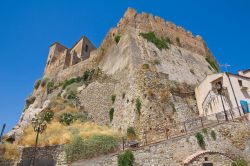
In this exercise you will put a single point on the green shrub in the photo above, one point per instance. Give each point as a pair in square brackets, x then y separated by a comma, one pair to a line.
[48, 116]
[50, 87]
[145, 66]
[81, 116]
[68, 82]
[212, 64]
[138, 105]
[111, 114]
[126, 159]
[117, 38]
[67, 118]
[213, 134]
[37, 84]
[72, 96]
[113, 97]
[88, 74]
[156, 62]
[159, 43]
[79, 148]
[131, 132]
[239, 162]
[200, 140]
[44, 81]
[30, 100]
[204, 130]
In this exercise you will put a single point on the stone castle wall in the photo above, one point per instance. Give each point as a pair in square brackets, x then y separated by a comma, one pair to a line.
[44, 156]
[147, 23]
[77, 69]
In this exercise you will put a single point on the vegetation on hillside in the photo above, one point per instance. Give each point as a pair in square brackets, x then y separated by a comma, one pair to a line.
[58, 133]
[213, 134]
[87, 76]
[80, 148]
[30, 100]
[111, 114]
[117, 38]
[12, 152]
[138, 105]
[131, 133]
[145, 66]
[126, 159]
[37, 84]
[178, 41]
[212, 64]
[239, 162]
[200, 140]
[113, 97]
[44, 81]
[160, 43]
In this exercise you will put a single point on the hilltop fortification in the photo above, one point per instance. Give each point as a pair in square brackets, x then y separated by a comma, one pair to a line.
[141, 79]
[132, 68]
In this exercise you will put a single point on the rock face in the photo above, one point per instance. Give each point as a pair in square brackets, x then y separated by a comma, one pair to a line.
[154, 87]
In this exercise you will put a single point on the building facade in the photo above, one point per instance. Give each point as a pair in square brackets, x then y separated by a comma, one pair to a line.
[223, 93]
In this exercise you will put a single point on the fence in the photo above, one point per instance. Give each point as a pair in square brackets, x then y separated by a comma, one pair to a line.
[186, 128]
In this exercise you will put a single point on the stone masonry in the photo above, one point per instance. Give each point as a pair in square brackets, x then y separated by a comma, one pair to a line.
[60, 57]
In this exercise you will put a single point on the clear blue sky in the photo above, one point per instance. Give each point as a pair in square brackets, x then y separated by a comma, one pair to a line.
[27, 28]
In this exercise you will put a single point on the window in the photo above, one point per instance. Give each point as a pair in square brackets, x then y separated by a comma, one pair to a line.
[240, 82]
[86, 48]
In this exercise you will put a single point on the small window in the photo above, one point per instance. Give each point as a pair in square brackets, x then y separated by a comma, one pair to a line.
[240, 82]
[86, 48]
[206, 158]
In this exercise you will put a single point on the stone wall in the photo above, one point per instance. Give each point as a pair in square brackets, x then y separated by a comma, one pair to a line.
[4, 162]
[77, 69]
[175, 151]
[44, 155]
[216, 159]
[147, 22]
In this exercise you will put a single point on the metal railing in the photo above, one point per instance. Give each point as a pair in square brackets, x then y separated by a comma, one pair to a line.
[185, 128]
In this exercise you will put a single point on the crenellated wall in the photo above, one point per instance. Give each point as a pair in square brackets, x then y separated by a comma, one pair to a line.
[147, 22]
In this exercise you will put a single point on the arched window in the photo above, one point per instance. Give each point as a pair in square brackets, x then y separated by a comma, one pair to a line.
[86, 48]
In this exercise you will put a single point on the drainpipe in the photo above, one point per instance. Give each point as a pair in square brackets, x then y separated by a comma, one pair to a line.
[233, 92]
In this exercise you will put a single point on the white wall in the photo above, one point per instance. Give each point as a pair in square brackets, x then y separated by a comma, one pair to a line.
[215, 105]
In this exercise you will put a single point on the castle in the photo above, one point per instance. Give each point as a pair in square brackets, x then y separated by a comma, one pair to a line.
[61, 57]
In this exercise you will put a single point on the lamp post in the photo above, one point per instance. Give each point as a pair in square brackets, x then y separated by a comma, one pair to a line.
[219, 89]
[39, 126]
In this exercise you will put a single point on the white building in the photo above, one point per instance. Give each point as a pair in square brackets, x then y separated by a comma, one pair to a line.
[235, 88]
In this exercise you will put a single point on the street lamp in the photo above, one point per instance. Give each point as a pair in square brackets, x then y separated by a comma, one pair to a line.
[219, 89]
[39, 126]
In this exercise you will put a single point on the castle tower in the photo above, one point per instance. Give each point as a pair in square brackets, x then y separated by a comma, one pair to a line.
[81, 50]
[60, 57]
[56, 59]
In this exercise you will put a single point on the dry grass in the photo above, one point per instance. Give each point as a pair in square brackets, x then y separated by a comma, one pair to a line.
[164, 96]
[57, 133]
[11, 151]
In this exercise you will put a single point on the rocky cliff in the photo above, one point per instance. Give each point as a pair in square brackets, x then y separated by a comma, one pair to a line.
[145, 69]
